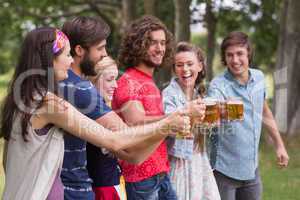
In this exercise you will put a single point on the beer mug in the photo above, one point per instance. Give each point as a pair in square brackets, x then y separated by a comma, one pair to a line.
[212, 112]
[234, 109]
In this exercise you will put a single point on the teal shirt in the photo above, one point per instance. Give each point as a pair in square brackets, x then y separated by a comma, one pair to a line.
[234, 147]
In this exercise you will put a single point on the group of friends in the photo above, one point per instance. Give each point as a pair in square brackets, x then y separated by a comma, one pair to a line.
[74, 130]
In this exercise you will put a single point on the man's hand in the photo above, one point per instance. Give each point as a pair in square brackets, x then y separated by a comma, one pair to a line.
[282, 157]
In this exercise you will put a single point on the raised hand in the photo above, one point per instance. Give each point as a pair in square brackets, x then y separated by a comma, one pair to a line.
[179, 123]
[196, 109]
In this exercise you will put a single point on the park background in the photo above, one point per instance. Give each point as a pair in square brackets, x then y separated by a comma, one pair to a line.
[273, 26]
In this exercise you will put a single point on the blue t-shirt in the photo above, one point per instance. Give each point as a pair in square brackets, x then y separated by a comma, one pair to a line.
[102, 166]
[84, 96]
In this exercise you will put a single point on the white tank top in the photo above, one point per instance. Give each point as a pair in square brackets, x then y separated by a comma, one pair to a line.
[32, 166]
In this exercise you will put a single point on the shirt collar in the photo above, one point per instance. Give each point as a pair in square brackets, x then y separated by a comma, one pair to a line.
[177, 87]
[230, 77]
[142, 73]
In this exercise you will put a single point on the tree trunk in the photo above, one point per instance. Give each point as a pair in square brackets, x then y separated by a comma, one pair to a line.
[182, 20]
[149, 7]
[211, 24]
[287, 77]
[128, 12]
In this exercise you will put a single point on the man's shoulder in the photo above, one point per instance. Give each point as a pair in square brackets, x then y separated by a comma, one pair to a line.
[256, 73]
[75, 82]
[129, 73]
[219, 79]
[72, 77]
[130, 80]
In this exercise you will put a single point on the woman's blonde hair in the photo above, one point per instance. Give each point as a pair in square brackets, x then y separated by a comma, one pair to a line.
[100, 66]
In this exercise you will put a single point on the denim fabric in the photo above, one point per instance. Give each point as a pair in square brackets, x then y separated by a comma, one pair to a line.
[174, 99]
[157, 187]
[234, 149]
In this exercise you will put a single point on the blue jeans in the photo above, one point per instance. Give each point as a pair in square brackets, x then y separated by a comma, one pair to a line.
[157, 187]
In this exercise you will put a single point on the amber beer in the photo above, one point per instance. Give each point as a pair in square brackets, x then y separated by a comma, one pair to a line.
[212, 112]
[234, 110]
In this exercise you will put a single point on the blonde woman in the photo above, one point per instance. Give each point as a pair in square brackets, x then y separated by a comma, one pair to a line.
[102, 165]
[106, 79]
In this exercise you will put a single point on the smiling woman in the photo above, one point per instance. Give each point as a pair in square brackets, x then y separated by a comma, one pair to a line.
[106, 79]
[191, 173]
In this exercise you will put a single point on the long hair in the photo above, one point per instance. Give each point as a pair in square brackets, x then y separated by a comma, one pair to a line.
[188, 47]
[30, 81]
[136, 41]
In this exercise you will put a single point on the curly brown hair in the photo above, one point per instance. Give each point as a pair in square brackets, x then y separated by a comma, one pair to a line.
[136, 41]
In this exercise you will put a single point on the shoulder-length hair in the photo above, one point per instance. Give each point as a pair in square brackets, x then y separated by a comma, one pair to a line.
[136, 41]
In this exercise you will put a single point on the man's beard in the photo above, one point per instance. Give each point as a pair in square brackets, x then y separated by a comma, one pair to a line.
[87, 66]
[148, 62]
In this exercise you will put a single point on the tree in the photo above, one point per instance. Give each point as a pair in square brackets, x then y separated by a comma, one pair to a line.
[259, 19]
[129, 12]
[287, 77]
[211, 24]
[182, 20]
[149, 7]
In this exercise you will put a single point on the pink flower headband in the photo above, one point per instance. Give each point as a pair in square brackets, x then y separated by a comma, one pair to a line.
[60, 41]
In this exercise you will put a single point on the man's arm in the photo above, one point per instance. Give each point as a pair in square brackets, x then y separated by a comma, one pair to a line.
[139, 116]
[270, 124]
[193, 108]
[137, 154]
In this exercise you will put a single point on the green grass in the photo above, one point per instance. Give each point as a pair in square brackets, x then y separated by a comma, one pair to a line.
[280, 184]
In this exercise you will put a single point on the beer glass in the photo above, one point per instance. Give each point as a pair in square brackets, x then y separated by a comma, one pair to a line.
[212, 112]
[234, 109]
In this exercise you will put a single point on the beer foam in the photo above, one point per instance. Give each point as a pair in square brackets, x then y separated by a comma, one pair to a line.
[210, 103]
[232, 101]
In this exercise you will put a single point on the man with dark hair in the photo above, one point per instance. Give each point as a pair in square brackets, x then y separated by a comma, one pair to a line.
[88, 41]
[146, 45]
[234, 153]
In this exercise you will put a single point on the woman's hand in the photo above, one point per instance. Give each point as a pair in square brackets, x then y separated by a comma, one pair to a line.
[196, 110]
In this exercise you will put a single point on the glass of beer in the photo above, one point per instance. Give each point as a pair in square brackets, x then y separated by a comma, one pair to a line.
[212, 111]
[234, 109]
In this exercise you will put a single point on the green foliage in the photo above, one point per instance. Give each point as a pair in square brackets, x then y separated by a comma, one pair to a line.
[257, 18]
[165, 11]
